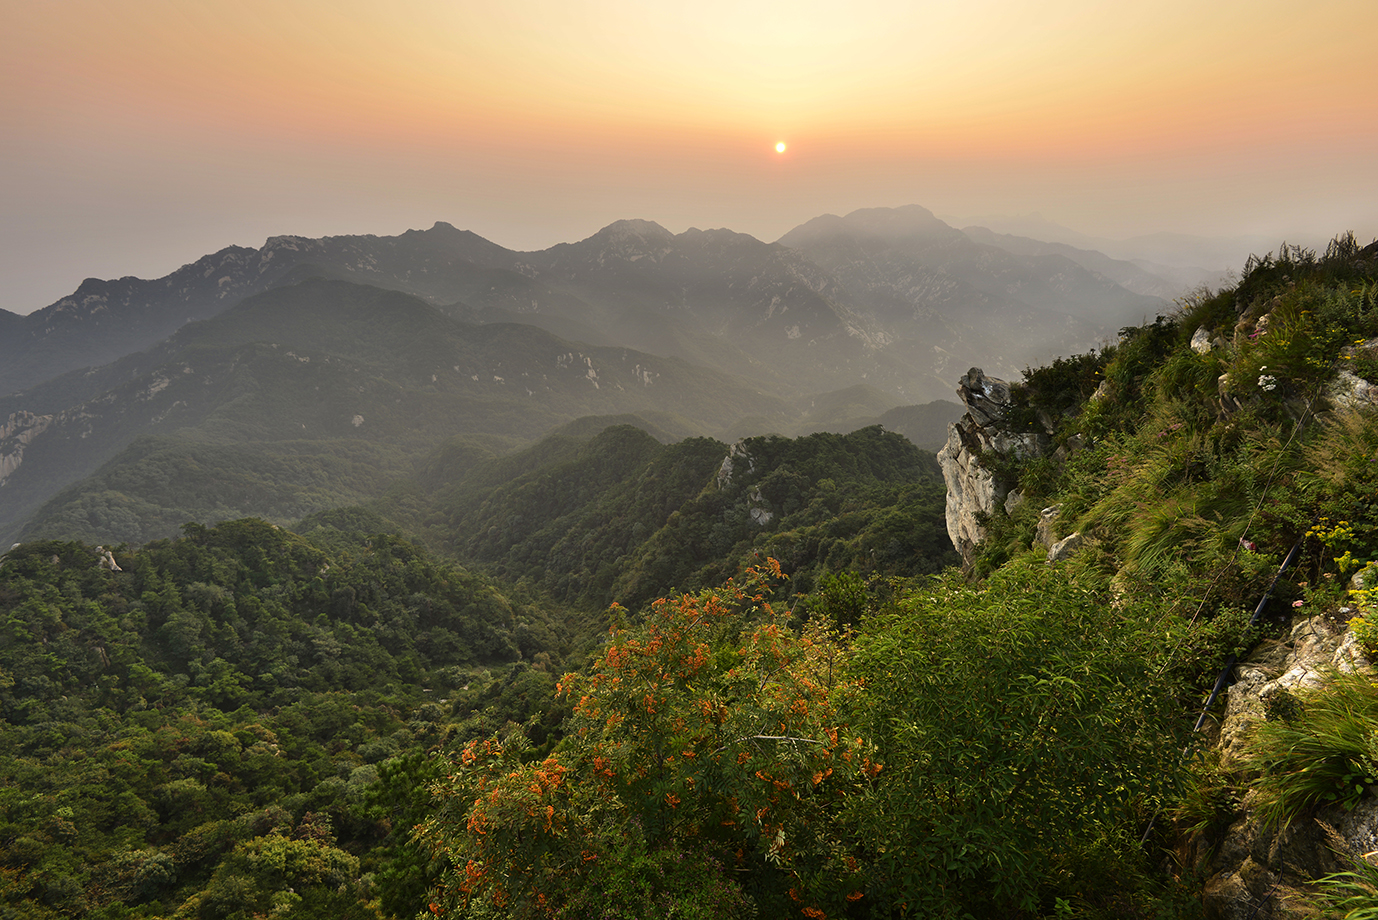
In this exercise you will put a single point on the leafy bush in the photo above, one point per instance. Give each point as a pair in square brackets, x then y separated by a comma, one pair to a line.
[1023, 740]
[1054, 391]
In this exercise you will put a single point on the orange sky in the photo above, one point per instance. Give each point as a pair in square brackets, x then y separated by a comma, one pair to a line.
[140, 134]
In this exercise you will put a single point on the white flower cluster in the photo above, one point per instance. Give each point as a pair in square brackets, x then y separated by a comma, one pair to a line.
[1267, 382]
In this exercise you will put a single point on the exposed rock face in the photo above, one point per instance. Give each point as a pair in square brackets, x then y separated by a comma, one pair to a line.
[15, 435]
[107, 559]
[1065, 548]
[1046, 533]
[1258, 871]
[1201, 341]
[986, 398]
[1350, 391]
[760, 514]
[737, 455]
[973, 492]
[1316, 645]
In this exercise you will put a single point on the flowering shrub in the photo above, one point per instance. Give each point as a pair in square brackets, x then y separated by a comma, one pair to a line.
[707, 750]
[1363, 601]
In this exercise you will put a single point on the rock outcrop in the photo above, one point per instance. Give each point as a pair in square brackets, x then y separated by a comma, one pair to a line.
[974, 492]
[16, 434]
[1259, 871]
[737, 462]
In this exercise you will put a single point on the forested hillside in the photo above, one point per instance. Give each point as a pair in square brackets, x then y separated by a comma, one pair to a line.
[678, 678]
[309, 397]
[621, 517]
[1020, 744]
[175, 729]
[243, 720]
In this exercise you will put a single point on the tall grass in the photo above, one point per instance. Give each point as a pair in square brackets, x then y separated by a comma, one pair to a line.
[1324, 752]
[1350, 895]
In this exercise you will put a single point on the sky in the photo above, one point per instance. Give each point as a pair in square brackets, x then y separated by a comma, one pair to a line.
[138, 135]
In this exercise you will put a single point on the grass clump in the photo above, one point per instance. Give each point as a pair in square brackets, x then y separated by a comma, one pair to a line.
[1352, 895]
[1322, 751]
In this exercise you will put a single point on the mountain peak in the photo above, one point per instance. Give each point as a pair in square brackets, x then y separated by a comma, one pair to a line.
[645, 229]
[884, 223]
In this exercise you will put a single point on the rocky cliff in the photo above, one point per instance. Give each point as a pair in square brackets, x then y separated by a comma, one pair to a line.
[974, 491]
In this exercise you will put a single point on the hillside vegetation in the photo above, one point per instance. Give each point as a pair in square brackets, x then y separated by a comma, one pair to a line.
[621, 517]
[1004, 748]
[794, 705]
[226, 726]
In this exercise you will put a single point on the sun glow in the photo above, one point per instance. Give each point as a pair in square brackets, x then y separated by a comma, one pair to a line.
[780, 147]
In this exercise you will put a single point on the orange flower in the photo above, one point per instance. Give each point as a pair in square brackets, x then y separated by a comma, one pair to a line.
[854, 896]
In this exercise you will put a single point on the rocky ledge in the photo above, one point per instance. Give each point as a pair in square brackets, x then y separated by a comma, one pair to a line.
[974, 491]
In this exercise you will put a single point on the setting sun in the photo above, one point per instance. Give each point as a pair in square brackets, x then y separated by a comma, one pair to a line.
[780, 147]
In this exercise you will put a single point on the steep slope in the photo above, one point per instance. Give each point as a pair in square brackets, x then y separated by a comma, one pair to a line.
[1131, 276]
[1213, 463]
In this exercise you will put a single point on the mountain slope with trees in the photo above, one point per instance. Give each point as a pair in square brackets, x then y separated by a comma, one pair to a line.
[621, 517]
[226, 724]
[789, 712]
[1009, 743]
[336, 388]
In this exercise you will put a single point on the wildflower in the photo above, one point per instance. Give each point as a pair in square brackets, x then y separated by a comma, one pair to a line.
[1267, 382]
[1298, 603]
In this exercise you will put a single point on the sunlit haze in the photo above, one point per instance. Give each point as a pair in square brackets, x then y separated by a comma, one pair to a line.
[141, 134]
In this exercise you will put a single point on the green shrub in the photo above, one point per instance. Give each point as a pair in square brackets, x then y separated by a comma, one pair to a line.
[1054, 391]
[1202, 309]
[1022, 739]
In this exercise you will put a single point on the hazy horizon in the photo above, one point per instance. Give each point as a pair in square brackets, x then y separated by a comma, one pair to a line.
[144, 134]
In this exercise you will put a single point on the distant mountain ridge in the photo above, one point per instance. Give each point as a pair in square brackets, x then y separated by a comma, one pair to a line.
[937, 289]
[306, 374]
[818, 310]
